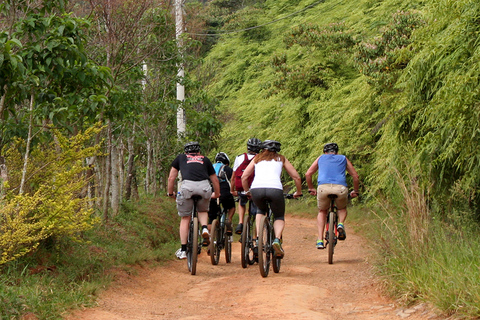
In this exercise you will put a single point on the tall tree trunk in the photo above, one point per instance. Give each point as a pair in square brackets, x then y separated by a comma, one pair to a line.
[27, 148]
[107, 175]
[2, 103]
[130, 166]
[115, 181]
[3, 175]
[148, 176]
[90, 175]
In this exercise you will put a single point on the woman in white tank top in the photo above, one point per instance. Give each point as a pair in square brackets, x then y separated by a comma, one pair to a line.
[267, 187]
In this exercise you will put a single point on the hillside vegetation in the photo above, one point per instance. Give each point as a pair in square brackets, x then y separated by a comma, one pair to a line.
[395, 84]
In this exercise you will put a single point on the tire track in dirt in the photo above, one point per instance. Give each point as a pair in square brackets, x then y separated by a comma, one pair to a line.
[307, 287]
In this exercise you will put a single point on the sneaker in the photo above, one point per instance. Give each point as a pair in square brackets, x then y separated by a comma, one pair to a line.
[239, 228]
[277, 247]
[255, 251]
[228, 224]
[181, 254]
[341, 232]
[320, 244]
[206, 237]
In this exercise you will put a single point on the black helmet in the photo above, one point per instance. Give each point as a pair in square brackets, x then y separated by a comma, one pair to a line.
[254, 145]
[271, 145]
[223, 158]
[331, 147]
[191, 147]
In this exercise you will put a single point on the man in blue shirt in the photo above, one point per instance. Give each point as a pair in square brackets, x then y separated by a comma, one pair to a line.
[331, 168]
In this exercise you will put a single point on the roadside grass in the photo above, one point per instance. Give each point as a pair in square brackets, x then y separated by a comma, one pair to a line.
[424, 259]
[64, 275]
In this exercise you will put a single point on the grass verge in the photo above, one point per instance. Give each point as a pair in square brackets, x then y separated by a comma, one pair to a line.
[64, 275]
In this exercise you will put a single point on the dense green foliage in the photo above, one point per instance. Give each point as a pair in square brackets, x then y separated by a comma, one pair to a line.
[390, 81]
[395, 84]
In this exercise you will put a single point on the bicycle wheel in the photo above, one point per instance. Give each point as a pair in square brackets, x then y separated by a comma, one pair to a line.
[246, 242]
[214, 243]
[192, 246]
[331, 236]
[264, 246]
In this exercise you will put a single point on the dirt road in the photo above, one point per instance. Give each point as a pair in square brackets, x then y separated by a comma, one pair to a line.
[307, 287]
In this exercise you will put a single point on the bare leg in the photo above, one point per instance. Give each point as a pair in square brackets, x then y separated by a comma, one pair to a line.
[278, 226]
[203, 218]
[241, 213]
[321, 220]
[184, 225]
[342, 215]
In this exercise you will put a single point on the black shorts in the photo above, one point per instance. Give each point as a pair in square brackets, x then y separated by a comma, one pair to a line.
[227, 202]
[274, 197]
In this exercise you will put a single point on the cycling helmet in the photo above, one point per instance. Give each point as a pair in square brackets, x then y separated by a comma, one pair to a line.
[271, 145]
[254, 145]
[191, 147]
[330, 147]
[223, 158]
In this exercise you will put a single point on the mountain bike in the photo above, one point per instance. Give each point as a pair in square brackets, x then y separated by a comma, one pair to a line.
[249, 256]
[219, 238]
[194, 241]
[331, 233]
[266, 236]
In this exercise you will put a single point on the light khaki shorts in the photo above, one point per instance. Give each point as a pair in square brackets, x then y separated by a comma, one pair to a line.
[323, 201]
[187, 190]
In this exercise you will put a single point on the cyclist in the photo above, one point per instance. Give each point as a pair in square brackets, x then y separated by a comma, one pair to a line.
[236, 187]
[331, 168]
[197, 174]
[224, 174]
[267, 186]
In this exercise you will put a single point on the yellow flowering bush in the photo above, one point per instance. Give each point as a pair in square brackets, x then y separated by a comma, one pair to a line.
[54, 202]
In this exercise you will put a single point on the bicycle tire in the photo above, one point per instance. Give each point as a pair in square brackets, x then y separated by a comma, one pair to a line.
[276, 263]
[331, 236]
[252, 245]
[214, 244]
[192, 247]
[228, 247]
[246, 242]
[264, 246]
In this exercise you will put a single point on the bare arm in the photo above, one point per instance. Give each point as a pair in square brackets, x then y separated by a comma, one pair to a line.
[232, 185]
[295, 176]
[216, 185]
[246, 174]
[171, 180]
[308, 176]
[356, 182]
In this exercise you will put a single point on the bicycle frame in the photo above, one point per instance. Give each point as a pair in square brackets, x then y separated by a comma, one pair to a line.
[219, 238]
[266, 236]
[248, 234]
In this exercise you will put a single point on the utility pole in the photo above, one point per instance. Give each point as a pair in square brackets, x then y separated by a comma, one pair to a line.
[180, 75]
[181, 72]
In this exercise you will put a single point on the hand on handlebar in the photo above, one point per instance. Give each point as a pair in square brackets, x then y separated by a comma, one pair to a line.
[297, 195]
[354, 194]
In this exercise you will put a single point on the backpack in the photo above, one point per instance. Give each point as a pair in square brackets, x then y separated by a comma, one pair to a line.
[220, 171]
[239, 172]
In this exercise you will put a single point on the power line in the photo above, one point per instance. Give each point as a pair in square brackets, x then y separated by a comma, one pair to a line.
[220, 32]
